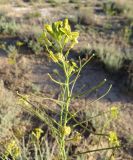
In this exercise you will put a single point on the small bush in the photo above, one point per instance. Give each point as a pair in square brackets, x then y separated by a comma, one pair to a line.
[111, 8]
[33, 44]
[33, 15]
[8, 27]
[110, 55]
[9, 112]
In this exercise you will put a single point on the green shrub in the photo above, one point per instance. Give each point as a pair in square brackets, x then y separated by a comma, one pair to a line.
[35, 46]
[11, 51]
[32, 43]
[8, 112]
[111, 8]
[8, 27]
[110, 55]
[33, 15]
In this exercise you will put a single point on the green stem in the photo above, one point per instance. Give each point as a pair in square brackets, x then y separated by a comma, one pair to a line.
[63, 97]
[67, 100]
[63, 155]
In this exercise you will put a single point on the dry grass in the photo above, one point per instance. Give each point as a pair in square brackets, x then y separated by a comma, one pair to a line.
[9, 112]
[127, 5]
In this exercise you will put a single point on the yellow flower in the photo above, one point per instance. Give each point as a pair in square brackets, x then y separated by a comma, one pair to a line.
[66, 25]
[112, 158]
[11, 61]
[66, 130]
[19, 43]
[60, 57]
[113, 139]
[77, 138]
[37, 133]
[114, 112]
[48, 28]
[13, 149]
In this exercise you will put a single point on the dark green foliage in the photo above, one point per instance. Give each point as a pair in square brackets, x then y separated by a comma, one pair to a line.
[111, 8]
[128, 33]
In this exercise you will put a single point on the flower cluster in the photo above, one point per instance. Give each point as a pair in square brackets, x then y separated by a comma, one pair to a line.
[114, 112]
[37, 133]
[113, 139]
[56, 36]
[13, 149]
[60, 32]
[66, 130]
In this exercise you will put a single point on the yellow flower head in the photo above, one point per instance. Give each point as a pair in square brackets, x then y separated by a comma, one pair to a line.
[13, 149]
[37, 133]
[48, 28]
[19, 43]
[66, 130]
[66, 25]
[114, 112]
[113, 139]
[57, 36]
[77, 138]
